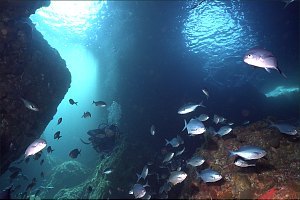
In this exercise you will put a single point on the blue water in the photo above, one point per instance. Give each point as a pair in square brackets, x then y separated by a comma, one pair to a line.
[152, 57]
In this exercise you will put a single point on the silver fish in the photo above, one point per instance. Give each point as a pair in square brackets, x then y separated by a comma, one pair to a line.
[209, 175]
[29, 105]
[262, 58]
[204, 90]
[284, 128]
[152, 130]
[139, 190]
[143, 174]
[168, 157]
[175, 142]
[35, 147]
[224, 130]
[240, 162]
[190, 107]
[249, 152]
[203, 117]
[194, 127]
[177, 177]
[196, 161]
[178, 153]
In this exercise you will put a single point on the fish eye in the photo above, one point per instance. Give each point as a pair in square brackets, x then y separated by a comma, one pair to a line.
[249, 55]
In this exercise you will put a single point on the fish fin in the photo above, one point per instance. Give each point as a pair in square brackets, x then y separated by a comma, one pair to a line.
[185, 124]
[201, 104]
[281, 72]
[231, 153]
[146, 185]
[76, 103]
[139, 177]
[167, 142]
[268, 70]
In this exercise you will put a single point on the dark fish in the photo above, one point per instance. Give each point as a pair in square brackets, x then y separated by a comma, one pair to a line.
[86, 114]
[74, 153]
[14, 169]
[42, 161]
[6, 193]
[27, 160]
[14, 175]
[89, 189]
[72, 102]
[57, 135]
[49, 149]
[37, 155]
[42, 175]
[59, 120]
[99, 103]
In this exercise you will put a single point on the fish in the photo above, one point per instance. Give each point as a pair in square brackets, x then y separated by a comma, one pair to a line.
[175, 142]
[168, 157]
[194, 127]
[189, 107]
[59, 120]
[178, 153]
[86, 114]
[224, 130]
[6, 193]
[29, 105]
[14, 175]
[30, 186]
[42, 162]
[287, 2]
[246, 122]
[42, 175]
[203, 117]
[72, 102]
[57, 135]
[143, 174]
[49, 149]
[249, 152]
[37, 155]
[204, 90]
[139, 190]
[74, 153]
[208, 175]
[262, 58]
[196, 161]
[107, 171]
[176, 177]
[152, 130]
[35, 147]
[14, 169]
[284, 128]
[99, 103]
[240, 162]
[218, 119]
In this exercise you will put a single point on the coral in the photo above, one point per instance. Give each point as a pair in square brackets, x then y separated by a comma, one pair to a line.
[279, 170]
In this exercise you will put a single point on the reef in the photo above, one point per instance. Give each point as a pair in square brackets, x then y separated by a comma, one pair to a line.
[66, 175]
[273, 177]
[29, 69]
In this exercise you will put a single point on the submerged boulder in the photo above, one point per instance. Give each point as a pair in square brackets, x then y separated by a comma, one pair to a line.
[29, 69]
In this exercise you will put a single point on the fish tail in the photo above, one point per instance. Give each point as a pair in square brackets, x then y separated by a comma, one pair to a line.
[201, 104]
[94, 102]
[139, 176]
[185, 124]
[231, 153]
[278, 69]
[167, 142]
[76, 103]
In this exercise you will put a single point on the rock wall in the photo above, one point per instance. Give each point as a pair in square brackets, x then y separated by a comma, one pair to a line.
[29, 69]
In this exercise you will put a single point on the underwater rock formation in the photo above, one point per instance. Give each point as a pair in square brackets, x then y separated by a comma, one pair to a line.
[273, 177]
[29, 69]
[64, 176]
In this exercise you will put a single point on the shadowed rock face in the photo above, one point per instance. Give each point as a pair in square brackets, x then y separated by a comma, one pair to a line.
[29, 69]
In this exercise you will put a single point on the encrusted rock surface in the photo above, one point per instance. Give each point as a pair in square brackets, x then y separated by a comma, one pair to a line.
[274, 177]
[29, 69]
